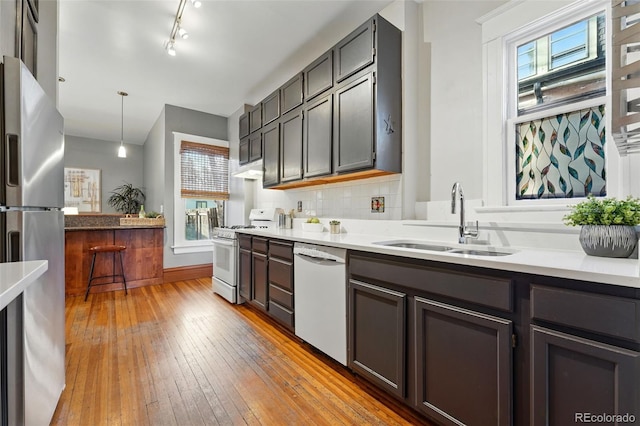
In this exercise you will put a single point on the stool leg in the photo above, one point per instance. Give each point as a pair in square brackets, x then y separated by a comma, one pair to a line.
[93, 262]
[124, 280]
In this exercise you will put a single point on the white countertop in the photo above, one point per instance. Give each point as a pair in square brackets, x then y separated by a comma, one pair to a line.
[554, 263]
[15, 277]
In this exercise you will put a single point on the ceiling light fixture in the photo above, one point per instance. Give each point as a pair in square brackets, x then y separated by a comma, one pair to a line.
[122, 152]
[177, 28]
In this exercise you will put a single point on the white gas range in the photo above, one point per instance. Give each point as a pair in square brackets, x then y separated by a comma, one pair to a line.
[225, 252]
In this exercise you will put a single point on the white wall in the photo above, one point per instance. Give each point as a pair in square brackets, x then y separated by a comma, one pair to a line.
[99, 154]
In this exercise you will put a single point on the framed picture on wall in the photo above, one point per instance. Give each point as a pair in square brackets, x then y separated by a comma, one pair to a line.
[82, 189]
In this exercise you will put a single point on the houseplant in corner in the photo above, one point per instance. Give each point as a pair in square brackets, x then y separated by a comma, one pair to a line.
[608, 225]
[126, 199]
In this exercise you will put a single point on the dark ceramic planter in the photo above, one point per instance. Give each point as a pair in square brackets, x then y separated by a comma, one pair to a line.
[608, 240]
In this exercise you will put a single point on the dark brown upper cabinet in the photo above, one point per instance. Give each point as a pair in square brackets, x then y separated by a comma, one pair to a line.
[255, 146]
[271, 155]
[29, 38]
[318, 77]
[291, 94]
[356, 51]
[291, 146]
[271, 108]
[243, 125]
[255, 118]
[318, 137]
[244, 151]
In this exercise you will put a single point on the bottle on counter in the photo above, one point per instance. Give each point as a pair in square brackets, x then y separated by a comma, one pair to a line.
[142, 213]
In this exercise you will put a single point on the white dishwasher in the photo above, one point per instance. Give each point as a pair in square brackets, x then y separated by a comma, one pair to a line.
[320, 295]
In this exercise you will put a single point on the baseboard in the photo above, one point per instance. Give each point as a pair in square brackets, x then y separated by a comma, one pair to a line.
[191, 272]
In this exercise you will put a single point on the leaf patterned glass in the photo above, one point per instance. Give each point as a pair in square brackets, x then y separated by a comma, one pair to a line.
[561, 156]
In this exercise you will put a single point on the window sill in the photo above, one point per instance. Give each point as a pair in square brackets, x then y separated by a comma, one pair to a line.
[199, 247]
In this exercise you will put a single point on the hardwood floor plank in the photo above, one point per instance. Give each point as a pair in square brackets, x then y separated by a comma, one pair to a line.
[177, 354]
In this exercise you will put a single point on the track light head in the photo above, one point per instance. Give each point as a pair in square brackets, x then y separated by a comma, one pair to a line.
[183, 33]
[171, 50]
[196, 3]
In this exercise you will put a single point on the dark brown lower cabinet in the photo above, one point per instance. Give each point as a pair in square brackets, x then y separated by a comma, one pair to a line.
[245, 276]
[377, 335]
[573, 378]
[260, 284]
[463, 365]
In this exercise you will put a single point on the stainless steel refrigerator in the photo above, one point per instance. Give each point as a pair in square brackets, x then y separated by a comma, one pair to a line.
[32, 225]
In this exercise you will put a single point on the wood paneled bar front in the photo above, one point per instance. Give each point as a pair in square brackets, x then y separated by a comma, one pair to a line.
[143, 258]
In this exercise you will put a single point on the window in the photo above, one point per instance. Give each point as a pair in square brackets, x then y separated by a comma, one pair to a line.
[557, 127]
[201, 183]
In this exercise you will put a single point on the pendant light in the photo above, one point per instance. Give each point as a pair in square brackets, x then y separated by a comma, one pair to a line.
[122, 152]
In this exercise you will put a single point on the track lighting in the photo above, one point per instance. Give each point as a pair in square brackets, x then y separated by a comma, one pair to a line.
[196, 3]
[171, 49]
[183, 33]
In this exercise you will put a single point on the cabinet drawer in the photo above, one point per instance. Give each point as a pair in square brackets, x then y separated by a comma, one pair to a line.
[280, 296]
[494, 292]
[259, 245]
[281, 250]
[244, 241]
[282, 314]
[281, 273]
[606, 315]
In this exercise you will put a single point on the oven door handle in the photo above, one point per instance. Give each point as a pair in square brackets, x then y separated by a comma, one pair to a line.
[223, 242]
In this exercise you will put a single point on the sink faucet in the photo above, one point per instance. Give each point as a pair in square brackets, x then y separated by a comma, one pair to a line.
[463, 232]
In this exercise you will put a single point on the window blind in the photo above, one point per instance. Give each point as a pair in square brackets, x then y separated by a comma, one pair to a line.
[204, 171]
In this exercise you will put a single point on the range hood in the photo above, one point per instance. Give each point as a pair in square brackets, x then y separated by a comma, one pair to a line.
[249, 171]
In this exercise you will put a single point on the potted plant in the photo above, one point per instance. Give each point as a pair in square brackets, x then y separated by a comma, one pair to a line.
[126, 199]
[608, 225]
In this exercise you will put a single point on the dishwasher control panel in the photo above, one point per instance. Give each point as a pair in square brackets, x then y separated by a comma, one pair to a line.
[320, 252]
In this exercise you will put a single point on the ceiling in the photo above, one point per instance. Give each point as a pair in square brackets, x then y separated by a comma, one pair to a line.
[237, 49]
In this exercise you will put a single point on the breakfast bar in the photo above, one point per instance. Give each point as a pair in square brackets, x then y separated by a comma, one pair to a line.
[142, 259]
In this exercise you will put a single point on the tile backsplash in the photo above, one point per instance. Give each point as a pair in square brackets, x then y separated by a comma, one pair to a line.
[348, 200]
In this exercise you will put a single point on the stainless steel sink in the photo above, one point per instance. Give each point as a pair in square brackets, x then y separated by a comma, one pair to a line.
[476, 252]
[418, 246]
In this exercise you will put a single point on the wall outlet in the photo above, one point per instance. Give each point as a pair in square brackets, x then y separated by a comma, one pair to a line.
[377, 204]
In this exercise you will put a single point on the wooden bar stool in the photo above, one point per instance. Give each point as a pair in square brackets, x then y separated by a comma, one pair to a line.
[106, 249]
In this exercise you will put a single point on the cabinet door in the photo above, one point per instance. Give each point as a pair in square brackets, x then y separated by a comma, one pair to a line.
[572, 376]
[255, 146]
[355, 51]
[244, 276]
[318, 137]
[271, 158]
[244, 151]
[291, 94]
[355, 125]
[259, 289]
[463, 365]
[318, 76]
[255, 118]
[291, 146]
[271, 108]
[377, 335]
[29, 39]
[243, 125]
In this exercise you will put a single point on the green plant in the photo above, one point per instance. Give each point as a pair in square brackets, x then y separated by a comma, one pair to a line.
[126, 199]
[334, 222]
[605, 211]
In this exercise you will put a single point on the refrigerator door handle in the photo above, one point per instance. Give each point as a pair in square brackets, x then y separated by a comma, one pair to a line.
[12, 163]
[14, 246]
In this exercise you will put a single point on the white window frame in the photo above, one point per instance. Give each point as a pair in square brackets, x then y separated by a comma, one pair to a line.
[503, 30]
[180, 244]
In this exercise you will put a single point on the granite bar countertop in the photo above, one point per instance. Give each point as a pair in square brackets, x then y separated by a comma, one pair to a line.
[100, 222]
[108, 228]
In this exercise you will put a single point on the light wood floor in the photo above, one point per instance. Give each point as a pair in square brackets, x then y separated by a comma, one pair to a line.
[177, 354]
